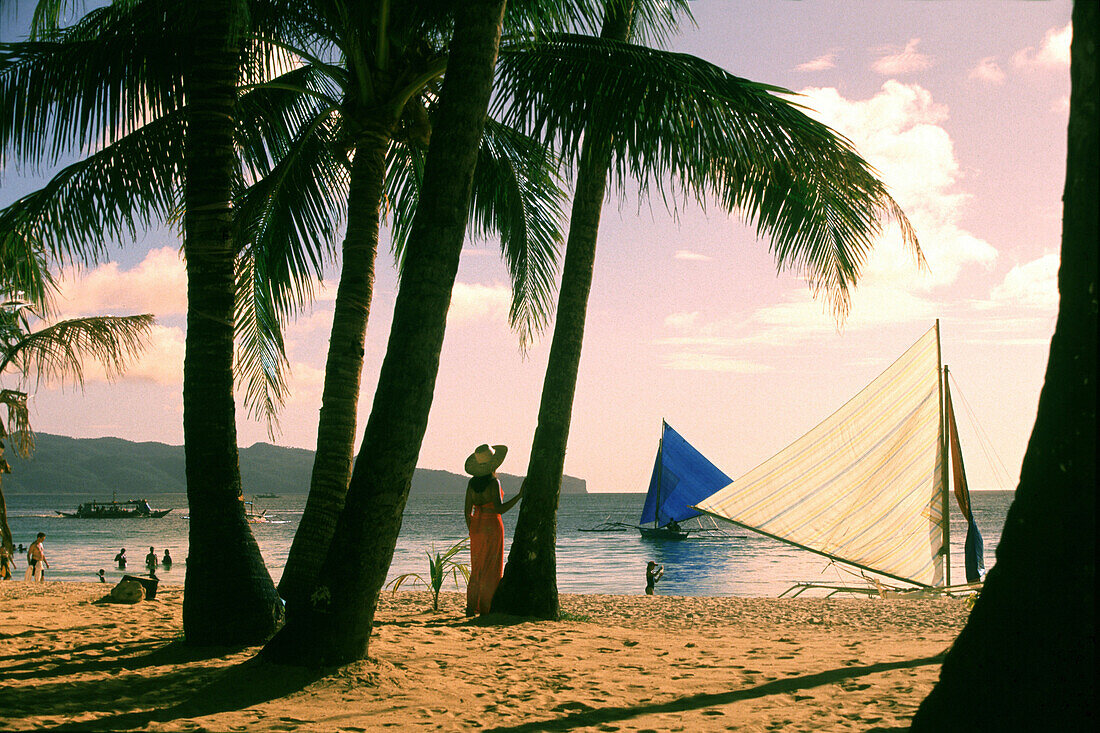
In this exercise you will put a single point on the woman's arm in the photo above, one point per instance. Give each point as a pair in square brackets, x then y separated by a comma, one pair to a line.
[512, 502]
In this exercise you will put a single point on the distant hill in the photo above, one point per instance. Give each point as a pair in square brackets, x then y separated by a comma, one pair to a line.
[98, 466]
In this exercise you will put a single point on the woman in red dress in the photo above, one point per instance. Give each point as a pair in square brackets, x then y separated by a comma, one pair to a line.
[484, 505]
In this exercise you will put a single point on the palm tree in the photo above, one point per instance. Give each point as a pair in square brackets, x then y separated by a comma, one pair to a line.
[1026, 659]
[116, 82]
[334, 627]
[376, 108]
[633, 110]
[51, 353]
[228, 593]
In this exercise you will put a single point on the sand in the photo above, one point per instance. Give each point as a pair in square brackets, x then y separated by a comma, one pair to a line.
[629, 663]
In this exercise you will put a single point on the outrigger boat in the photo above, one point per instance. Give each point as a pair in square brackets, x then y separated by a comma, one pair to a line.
[868, 487]
[681, 477]
[253, 516]
[131, 509]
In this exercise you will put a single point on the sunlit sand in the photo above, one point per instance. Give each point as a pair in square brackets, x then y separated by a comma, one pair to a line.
[620, 663]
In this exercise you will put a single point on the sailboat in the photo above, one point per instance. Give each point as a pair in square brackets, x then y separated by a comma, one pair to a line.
[681, 477]
[868, 485]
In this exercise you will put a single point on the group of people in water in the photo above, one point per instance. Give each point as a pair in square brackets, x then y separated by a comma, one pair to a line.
[37, 564]
[483, 509]
[151, 561]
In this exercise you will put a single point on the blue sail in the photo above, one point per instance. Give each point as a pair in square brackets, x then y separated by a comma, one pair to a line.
[682, 477]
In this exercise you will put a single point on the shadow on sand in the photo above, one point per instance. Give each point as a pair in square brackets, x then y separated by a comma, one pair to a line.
[187, 692]
[594, 717]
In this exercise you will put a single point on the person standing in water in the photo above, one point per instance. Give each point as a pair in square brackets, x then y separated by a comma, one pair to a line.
[167, 561]
[653, 573]
[36, 559]
[120, 558]
[151, 561]
[484, 505]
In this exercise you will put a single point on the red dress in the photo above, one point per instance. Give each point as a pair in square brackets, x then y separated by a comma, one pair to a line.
[486, 556]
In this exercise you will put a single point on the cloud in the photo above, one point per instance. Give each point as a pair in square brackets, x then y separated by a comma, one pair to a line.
[1032, 285]
[901, 62]
[471, 302]
[899, 131]
[160, 363]
[682, 321]
[699, 362]
[157, 285]
[1053, 51]
[683, 254]
[821, 63]
[988, 71]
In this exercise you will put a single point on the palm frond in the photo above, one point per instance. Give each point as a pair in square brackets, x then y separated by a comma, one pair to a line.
[109, 195]
[289, 219]
[261, 362]
[518, 197]
[57, 352]
[675, 122]
[19, 424]
[118, 68]
[24, 272]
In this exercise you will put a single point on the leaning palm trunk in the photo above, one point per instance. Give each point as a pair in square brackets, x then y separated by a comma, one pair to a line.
[1026, 659]
[532, 555]
[340, 399]
[228, 594]
[529, 586]
[335, 626]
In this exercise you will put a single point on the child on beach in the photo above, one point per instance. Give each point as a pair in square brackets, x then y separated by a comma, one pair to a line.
[653, 573]
[7, 563]
[100, 575]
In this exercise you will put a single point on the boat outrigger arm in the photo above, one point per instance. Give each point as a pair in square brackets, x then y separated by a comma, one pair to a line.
[868, 485]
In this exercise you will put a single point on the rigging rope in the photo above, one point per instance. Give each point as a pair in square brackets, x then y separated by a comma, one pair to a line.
[998, 468]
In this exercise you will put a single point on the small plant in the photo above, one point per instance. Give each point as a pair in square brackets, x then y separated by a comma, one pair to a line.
[439, 567]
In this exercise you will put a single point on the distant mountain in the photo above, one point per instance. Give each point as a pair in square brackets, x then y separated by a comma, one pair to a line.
[98, 466]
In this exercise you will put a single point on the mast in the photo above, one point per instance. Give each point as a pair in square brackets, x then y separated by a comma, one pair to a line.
[660, 475]
[944, 457]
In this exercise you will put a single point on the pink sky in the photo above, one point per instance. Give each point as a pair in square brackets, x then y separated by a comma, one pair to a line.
[962, 107]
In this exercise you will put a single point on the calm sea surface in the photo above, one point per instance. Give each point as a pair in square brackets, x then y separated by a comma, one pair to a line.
[739, 563]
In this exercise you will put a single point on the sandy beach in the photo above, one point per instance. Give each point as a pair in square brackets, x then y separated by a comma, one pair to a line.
[620, 663]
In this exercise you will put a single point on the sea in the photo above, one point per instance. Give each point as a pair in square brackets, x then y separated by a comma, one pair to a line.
[735, 562]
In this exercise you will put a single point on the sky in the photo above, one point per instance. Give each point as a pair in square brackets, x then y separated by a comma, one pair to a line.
[961, 105]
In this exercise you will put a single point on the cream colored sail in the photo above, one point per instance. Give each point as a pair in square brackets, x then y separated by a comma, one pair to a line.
[866, 486]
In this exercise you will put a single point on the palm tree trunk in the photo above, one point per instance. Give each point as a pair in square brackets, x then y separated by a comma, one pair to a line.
[5, 531]
[228, 594]
[343, 371]
[335, 626]
[530, 583]
[1026, 659]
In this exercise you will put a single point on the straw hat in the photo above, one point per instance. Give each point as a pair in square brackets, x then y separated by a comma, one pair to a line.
[485, 459]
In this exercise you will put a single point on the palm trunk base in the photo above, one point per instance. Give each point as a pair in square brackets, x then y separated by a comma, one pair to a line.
[315, 639]
[1020, 663]
[229, 598]
[530, 584]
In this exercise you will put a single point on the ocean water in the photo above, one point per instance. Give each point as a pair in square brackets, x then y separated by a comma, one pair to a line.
[738, 563]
